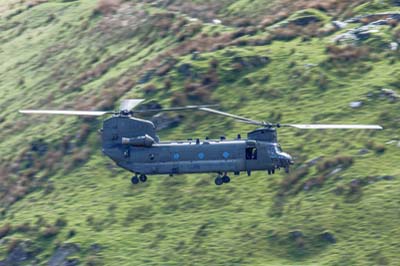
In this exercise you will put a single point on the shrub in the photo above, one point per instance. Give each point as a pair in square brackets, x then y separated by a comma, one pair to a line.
[80, 156]
[12, 245]
[4, 230]
[339, 190]
[23, 228]
[178, 98]
[343, 161]
[50, 231]
[71, 233]
[167, 84]
[94, 261]
[347, 53]
[107, 6]
[397, 34]
[214, 63]
[149, 89]
[243, 22]
[60, 222]
[378, 148]
[294, 177]
[322, 82]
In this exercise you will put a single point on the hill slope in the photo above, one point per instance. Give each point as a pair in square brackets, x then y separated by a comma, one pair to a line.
[62, 201]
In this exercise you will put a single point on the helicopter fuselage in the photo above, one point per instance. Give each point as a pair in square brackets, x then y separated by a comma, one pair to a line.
[133, 145]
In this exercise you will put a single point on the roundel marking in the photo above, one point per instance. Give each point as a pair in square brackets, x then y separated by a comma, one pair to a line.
[226, 154]
[176, 156]
[201, 155]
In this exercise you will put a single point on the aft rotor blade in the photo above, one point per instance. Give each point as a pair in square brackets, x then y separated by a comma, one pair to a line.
[66, 112]
[331, 126]
[189, 107]
[129, 104]
[239, 118]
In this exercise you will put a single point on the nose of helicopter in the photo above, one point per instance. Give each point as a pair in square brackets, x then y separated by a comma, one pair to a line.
[286, 158]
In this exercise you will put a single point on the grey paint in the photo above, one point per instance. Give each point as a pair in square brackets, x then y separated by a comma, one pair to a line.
[176, 157]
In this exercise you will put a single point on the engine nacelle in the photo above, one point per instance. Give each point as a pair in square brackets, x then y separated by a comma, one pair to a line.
[143, 141]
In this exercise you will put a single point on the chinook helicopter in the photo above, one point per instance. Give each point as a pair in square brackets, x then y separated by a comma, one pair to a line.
[132, 144]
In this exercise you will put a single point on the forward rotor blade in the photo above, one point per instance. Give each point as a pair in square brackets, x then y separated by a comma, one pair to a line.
[66, 112]
[189, 107]
[331, 126]
[129, 104]
[239, 118]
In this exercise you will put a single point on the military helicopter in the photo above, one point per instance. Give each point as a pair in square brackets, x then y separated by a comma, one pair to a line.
[132, 144]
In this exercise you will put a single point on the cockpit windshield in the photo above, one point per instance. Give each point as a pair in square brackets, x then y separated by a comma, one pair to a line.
[278, 148]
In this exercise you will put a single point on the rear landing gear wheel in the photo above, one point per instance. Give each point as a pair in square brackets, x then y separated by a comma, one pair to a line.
[143, 178]
[135, 180]
[226, 179]
[219, 181]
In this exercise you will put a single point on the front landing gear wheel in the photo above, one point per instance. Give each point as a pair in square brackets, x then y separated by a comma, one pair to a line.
[219, 181]
[226, 179]
[143, 178]
[135, 180]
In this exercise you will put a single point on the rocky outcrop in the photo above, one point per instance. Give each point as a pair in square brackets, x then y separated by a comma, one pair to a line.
[365, 31]
[60, 256]
[20, 254]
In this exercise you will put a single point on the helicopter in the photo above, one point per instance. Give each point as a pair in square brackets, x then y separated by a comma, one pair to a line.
[132, 143]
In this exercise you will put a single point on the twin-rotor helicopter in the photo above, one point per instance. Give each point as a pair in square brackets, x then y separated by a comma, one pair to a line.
[132, 144]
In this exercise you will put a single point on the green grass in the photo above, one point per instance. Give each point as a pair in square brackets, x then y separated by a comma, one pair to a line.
[186, 219]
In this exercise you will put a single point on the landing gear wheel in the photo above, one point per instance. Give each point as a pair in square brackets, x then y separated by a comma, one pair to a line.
[287, 169]
[219, 181]
[273, 171]
[226, 179]
[135, 180]
[143, 178]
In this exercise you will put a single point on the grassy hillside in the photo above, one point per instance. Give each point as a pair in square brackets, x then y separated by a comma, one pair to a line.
[62, 201]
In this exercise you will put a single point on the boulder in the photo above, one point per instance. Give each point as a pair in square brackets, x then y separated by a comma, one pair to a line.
[314, 161]
[356, 104]
[146, 77]
[335, 171]
[339, 24]
[363, 151]
[185, 70]
[393, 46]
[60, 256]
[390, 94]
[216, 21]
[20, 254]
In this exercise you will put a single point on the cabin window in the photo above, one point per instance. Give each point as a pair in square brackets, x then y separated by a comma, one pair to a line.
[251, 153]
[278, 148]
